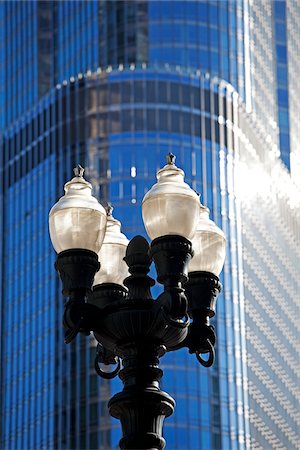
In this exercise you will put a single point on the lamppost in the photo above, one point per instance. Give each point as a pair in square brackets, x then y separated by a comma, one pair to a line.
[114, 301]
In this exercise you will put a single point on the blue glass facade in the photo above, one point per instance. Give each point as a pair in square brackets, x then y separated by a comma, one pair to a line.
[77, 37]
[228, 39]
[26, 380]
[280, 25]
[202, 35]
[120, 85]
[18, 59]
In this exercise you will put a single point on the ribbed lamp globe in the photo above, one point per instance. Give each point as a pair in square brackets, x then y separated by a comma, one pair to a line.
[77, 220]
[113, 267]
[170, 206]
[209, 245]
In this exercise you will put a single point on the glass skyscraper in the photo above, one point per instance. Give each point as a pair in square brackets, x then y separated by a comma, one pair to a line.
[114, 86]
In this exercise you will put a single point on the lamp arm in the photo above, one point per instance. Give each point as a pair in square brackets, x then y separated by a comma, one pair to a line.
[79, 317]
[171, 255]
[174, 307]
[200, 339]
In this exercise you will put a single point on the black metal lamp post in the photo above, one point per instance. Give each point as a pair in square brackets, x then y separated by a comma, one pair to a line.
[134, 330]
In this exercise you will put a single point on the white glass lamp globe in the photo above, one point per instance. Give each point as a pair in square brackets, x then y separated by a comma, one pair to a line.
[209, 245]
[77, 220]
[113, 268]
[170, 206]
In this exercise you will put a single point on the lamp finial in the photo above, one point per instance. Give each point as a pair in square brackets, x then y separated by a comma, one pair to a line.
[78, 171]
[170, 158]
[109, 209]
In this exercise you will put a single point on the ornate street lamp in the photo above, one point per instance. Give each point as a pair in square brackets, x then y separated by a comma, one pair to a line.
[134, 330]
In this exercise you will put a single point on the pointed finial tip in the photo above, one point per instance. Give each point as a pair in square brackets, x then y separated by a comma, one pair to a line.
[109, 209]
[78, 171]
[170, 158]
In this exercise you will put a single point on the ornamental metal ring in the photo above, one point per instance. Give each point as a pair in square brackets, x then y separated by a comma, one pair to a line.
[207, 362]
[182, 323]
[107, 375]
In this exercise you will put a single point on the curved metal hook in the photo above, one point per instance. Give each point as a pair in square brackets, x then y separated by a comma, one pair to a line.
[73, 330]
[176, 323]
[207, 362]
[106, 375]
[71, 333]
